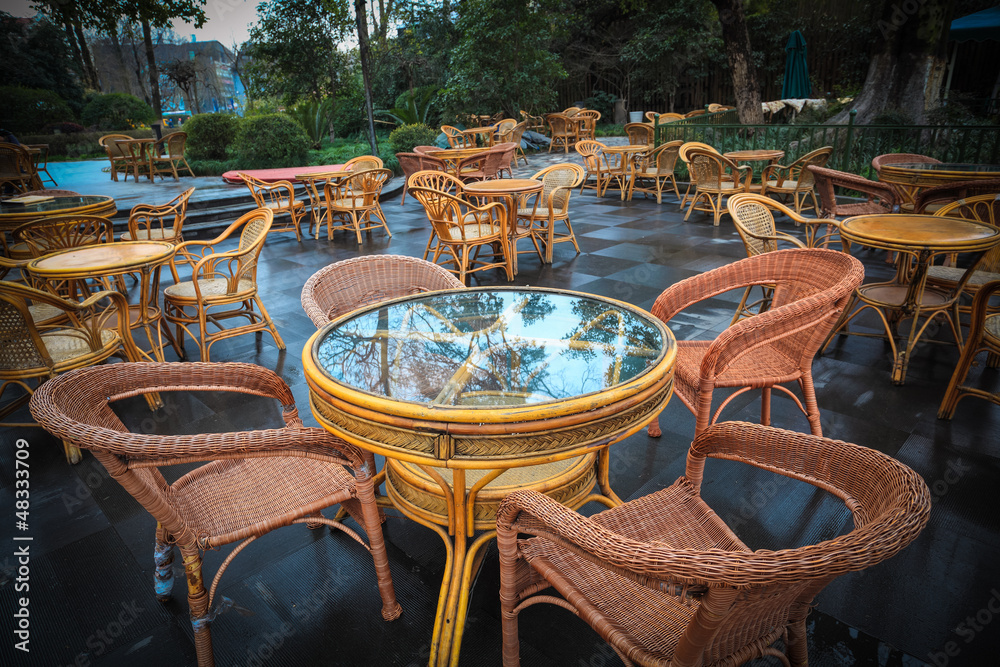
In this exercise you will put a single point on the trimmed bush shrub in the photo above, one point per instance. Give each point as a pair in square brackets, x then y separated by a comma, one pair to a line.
[404, 138]
[62, 128]
[210, 135]
[76, 144]
[116, 111]
[272, 140]
[27, 110]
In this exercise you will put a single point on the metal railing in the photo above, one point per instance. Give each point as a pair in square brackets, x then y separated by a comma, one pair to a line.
[854, 146]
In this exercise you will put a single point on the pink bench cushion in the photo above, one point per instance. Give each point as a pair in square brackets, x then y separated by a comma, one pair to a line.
[274, 175]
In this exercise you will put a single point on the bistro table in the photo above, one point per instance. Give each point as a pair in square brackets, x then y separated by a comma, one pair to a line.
[771, 156]
[480, 136]
[508, 191]
[13, 214]
[472, 393]
[623, 170]
[919, 239]
[452, 156]
[70, 268]
[909, 178]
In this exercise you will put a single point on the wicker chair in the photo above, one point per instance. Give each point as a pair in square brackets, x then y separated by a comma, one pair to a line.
[588, 129]
[571, 111]
[278, 197]
[652, 117]
[984, 336]
[714, 176]
[41, 163]
[665, 581]
[514, 136]
[563, 131]
[353, 203]
[160, 222]
[485, 166]
[682, 153]
[363, 162]
[639, 133]
[929, 200]
[218, 280]
[696, 112]
[655, 170]
[73, 335]
[533, 123]
[353, 283]
[16, 169]
[253, 482]
[169, 151]
[795, 180]
[462, 230]
[436, 181]
[58, 232]
[118, 154]
[538, 221]
[811, 289]
[502, 128]
[598, 174]
[881, 198]
[456, 139]
[411, 163]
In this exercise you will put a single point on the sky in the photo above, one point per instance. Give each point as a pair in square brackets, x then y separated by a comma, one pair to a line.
[228, 21]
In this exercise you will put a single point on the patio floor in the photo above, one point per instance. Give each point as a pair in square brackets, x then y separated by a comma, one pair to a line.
[307, 597]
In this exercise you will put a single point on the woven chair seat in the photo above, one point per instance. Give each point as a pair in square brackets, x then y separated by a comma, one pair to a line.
[540, 212]
[765, 363]
[992, 327]
[473, 231]
[786, 184]
[43, 312]
[953, 274]
[863, 208]
[64, 347]
[209, 287]
[149, 235]
[215, 500]
[278, 207]
[348, 203]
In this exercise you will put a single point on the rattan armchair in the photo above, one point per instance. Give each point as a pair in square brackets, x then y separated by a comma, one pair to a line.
[654, 171]
[16, 169]
[985, 209]
[279, 198]
[456, 138]
[811, 287]
[533, 123]
[58, 232]
[483, 166]
[588, 127]
[714, 176]
[159, 222]
[665, 581]
[253, 482]
[72, 334]
[563, 131]
[795, 180]
[537, 219]
[639, 133]
[168, 154]
[40, 158]
[411, 163]
[900, 158]
[984, 336]
[118, 154]
[515, 137]
[682, 153]
[363, 162]
[437, 180]
[462, 230]
[598, 174]
[881, 198]
[220, 280]
[353, 203]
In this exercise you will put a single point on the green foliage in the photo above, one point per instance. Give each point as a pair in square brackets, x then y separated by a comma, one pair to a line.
[213, 167]
[403, 139]
[30, 109]
[349, 117]
[603, 102]
[314, 117]
[262, 106]
[273, 140]
[116, 111]
[415, 108]
[35, 55]
[77, 144]
[210, 135]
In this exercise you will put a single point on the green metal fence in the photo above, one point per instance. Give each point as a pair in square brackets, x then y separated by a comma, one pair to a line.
[854, 146]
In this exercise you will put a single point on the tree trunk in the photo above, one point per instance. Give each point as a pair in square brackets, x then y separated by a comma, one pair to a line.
[907, 69]
[138, 72]
[154, 73]
[75, 48]
[88, 61]
[360, 16]
[738, 54]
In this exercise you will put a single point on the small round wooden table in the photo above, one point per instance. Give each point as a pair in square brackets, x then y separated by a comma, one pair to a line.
[509, 191]
[452, 156]
[909, 178]
[72, 267]
[623, 171]
[472, 393]
[13, 214]
[771, 156]
[918, 239]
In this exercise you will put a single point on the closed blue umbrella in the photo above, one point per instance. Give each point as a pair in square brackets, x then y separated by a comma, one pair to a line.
[796, 84]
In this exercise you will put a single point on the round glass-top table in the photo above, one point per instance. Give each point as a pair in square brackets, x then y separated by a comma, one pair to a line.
[14, 214]
[472, 393]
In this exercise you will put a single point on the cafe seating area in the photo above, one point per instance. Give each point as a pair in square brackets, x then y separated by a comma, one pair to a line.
[720, 423]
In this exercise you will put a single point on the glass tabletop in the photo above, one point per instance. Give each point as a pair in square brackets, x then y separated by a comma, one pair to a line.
[491, 347]
[53, 204]
[946, 166]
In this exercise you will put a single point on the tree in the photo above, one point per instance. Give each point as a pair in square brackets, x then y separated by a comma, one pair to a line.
[185, 74]
[35, 54]
[741, 66]
[907, 67]
[360, 16]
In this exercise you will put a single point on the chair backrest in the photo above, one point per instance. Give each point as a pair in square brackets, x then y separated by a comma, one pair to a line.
[900, 158]
[881, 196]
[664, 156]
[560, 124]
[113, 147]
[15, 167]
[504, 126]
[456, 221]
[949, 192]
[363, 162]
[515, 134]
[174, 144]
[571, 111]
[365, 187]
[352, 283]
[558, 181]
[818, 158]
[455, 137]
[682, 152]
[505, 155]
[639, 133]
[59, 232]
[168, 218]
[438, 180]
[710, 169]
[752, 215]
[277, 195]
[591, 152]
[696, 112]
[982, 208]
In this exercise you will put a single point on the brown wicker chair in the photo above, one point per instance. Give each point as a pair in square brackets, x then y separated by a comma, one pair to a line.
[795, 180]
[462, 230]
[514, 137]
[353, 203]
[352, 283]
[811, 289]
[598, 174]
[118, 154]
[696, 112]
[437, 180]
[485, 166]
[654, 171]
[929, 200]
[74, 334]
[984, 336]
[714, 176]
[538, 221]
[253, 481]
[278, 197]
[218, 280]
[411, 163]
[665, 581]
[881, 198]
[639, 133]
[456, 139]
[563, 131]
[900, 158]
[169, 151]
[16, 169]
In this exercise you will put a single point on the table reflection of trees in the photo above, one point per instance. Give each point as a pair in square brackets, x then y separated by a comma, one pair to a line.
[489, 348]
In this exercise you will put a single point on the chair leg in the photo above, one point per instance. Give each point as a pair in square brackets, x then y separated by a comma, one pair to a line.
[198, 606]
[765, 406]
[270, 324]
[163, 564]
[951, 394]
[809, 402]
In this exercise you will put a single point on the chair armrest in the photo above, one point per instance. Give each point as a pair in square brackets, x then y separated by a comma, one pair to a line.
[778, 236]
[770, 169]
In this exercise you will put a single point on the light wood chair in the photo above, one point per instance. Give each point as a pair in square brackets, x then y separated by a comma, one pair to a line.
[714, 176]
[588, 129]
[639, 133]
[984, 336]
[562, 131]
[456, 139]
[41, 163]
[436, 180]
[169, 151]
[984, 209]
[598, 173]
[353, 203]
[118, 154]
[795, 180]
[654, 171]
[552, 206]
[279, 198]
